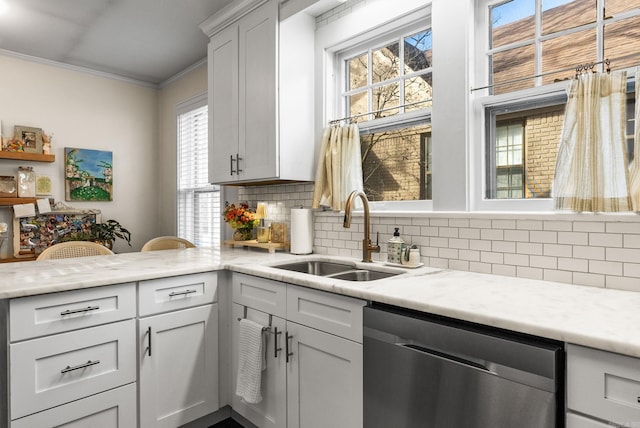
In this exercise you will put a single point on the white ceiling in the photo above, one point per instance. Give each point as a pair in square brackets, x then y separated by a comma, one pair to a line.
[145, 40]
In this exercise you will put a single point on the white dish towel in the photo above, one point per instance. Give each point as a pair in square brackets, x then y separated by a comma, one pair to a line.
[250, 357]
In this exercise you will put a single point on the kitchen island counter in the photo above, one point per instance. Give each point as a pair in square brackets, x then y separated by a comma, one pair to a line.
[595, 317]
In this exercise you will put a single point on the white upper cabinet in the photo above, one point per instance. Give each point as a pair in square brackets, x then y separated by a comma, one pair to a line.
[260, 94]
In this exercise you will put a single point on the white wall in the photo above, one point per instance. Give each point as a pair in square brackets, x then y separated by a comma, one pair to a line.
[188, 85]
[92, 112]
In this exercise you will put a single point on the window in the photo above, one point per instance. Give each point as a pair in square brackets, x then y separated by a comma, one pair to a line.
[387, 90]
[549, 38]
[198, 202]
[532, 46]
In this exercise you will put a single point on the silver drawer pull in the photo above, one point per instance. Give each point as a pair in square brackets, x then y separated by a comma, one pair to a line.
[77, 311]
[78, 367]
[181, 293]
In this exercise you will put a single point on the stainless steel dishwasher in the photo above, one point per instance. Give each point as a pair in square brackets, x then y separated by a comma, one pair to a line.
[434, 372]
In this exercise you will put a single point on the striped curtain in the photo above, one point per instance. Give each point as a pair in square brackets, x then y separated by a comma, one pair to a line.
[591, 167]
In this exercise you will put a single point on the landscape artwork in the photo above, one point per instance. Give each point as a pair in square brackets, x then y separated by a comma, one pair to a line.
[88, 175]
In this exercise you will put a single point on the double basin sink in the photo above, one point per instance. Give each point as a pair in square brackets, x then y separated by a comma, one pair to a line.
[343, 271]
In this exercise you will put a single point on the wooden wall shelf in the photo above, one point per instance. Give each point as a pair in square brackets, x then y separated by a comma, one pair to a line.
[18, 201]
[23, 156]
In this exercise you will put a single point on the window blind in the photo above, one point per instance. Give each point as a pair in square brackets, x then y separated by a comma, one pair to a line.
[198, 202]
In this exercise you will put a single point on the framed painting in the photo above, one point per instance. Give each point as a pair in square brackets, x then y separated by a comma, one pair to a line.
[88, 175]
[30, 138]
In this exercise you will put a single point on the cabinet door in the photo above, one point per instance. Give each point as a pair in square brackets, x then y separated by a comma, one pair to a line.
[324, 380]
[178, 366]
[258, 93]
[271, 412]
[111, 409]
[223, 105]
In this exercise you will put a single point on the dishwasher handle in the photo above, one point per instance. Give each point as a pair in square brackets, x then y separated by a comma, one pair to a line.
[476, 364]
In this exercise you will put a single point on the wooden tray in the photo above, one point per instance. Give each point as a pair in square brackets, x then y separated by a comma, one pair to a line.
[270, 246]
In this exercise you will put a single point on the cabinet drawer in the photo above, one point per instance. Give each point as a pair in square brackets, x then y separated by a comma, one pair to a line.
[115, 408]
[261, 294]
[53, 313]
[178, 292]
[54, 370]
[328, 312]
[603, 384]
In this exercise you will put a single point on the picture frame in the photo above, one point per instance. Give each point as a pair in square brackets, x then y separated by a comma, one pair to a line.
[88, 175]
[30, 137]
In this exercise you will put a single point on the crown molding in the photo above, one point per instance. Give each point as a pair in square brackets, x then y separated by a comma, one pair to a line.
[228, 15]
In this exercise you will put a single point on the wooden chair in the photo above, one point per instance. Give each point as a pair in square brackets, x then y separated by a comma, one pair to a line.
[66, 250]
[166, 243]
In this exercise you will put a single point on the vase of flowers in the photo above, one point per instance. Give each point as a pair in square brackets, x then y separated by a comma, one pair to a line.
[241, 219]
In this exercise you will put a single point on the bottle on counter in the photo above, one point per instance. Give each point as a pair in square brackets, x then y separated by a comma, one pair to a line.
[394, 247]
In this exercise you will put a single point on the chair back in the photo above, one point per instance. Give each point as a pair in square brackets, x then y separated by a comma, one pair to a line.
[66, 250]
[166, 243]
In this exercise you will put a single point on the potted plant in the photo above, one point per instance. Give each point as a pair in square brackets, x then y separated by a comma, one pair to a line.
[107, 232]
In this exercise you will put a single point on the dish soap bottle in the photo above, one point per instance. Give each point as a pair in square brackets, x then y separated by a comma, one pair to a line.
[394, 247]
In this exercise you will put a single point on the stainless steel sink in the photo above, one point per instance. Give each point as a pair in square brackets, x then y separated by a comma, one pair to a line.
[318, 268]
[343, 271]
[363, 275]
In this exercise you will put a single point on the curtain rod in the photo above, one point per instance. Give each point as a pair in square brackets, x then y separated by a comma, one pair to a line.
[580, 68]
[355, 116]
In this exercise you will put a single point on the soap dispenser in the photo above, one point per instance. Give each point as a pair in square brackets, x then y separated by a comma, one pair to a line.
[394, 247]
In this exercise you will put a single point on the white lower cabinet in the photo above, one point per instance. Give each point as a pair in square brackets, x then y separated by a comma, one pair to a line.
[603, 388]
[115, 408]
[316, 378]
[324, 380]
[178, 351]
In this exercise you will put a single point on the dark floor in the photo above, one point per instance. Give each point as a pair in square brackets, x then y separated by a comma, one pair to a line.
[227, 423]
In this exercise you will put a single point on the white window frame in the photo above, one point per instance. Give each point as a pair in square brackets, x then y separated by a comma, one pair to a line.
[183, 108]
[481, 101]
[373, 26]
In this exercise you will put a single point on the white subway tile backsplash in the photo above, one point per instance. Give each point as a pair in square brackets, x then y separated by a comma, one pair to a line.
[543, 236]
[623, 255]
[591, 279]
[606, 268]
[573, 248]
[516, 235]
[544, 262]
[516, 259]
[605, 239]
[583, 252]
[573, 238]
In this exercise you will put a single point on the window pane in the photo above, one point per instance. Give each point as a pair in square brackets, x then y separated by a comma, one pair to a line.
[396, 164]
[385, 63]
[569, 50]
[358, 104]
[512, 21]
[614, 7]
[620, 39]
[513, 64]
[384, 99]
[418, 92]
[525, 147]
[357, 69]
[418, 52]
[558, 15]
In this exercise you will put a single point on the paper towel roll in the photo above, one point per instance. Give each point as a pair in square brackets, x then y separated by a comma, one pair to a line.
[301, 231]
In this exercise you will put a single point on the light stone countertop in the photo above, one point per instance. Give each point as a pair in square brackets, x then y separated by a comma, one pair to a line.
[588, 316]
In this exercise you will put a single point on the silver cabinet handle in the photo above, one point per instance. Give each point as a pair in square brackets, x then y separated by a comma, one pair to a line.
[77, 311]
[286, 342]
[78, 367]
[276, 333]
[238, 159]
[231, 160]
[181, 293]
